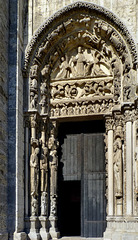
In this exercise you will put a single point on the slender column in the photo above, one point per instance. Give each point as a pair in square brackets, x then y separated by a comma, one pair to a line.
[26, 170]
[53, 162]
[135, 168]
[44, 184]
[110, 173]
[34, 181]
[129, 178]
[118, 164]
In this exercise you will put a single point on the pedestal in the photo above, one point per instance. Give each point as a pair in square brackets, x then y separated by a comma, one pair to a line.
[44, 229]
[20, 236]
[34, 229]
[53, 229]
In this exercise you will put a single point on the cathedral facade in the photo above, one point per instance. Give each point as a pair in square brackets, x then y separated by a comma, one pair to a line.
[68, 120]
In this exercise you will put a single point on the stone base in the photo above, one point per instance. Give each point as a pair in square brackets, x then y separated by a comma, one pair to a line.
[44, 235]
[53, 229]
[44, 229]
[3, 236]
[54, 234]
[33, 234]
[120, 228]
[20, 236]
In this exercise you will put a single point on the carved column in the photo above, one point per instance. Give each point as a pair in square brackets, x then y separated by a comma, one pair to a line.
[53, 164]
[44, 182]
[34, 180]
[129, 163]
[135, 164]
[109, 129]
[27, 126]
[118, 166]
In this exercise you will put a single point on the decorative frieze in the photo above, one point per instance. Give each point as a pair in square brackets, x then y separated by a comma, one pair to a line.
[81, 108]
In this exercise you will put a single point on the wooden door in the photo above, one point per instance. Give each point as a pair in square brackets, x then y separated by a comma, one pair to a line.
[93, 219]
[81, 159]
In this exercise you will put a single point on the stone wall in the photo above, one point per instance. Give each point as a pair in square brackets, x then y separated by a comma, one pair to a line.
[15, 120]
[3, 116]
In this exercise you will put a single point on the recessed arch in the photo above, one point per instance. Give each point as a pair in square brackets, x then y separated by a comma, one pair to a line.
[80, 64]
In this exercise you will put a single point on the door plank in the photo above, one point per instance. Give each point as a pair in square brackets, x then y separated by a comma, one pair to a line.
[94, 190]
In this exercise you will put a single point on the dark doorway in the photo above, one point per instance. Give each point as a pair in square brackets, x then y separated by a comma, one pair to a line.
[70, 203]
[81, 179]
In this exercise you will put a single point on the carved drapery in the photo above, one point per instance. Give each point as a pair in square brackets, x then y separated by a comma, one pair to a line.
[81, 67]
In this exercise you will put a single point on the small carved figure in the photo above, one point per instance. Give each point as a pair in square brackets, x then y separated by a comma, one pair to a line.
[64, 110]
[90, 109]
[53, 211]
[44, 204]
[103, 106]
[34, 206]
[127, 93]
[79, 63]
[52, 111]
[97, 107]
[57, 110]
[116, 67]
[70, 110]
[65, 69]
[83, 108]
[45, 71]
[77, 109]
[52, 143]
[43, 104]
[43, 88]
[34, 71]
[34, 84]
[33, 100]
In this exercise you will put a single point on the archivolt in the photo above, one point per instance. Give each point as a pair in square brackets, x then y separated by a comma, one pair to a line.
[106, 50]
[71, 10]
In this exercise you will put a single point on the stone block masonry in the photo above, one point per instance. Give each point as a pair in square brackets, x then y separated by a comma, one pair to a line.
[3, 117]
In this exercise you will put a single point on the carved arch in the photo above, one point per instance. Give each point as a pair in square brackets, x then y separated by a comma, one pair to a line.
[106, 46]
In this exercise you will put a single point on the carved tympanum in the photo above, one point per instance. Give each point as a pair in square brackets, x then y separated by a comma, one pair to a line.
[80, 63]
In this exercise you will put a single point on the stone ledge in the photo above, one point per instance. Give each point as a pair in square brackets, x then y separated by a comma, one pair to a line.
[3, 236]
[80, 238]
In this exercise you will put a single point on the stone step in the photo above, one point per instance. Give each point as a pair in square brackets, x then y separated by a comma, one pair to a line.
[79, 238]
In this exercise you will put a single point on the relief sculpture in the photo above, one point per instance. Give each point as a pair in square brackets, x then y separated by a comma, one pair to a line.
[81, 108]
[75, 90]
[81, 62]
